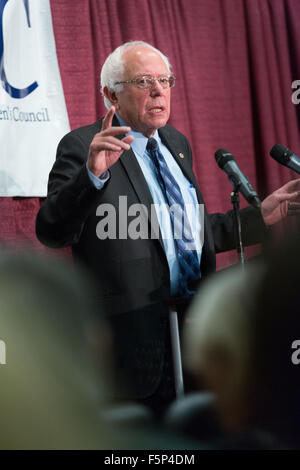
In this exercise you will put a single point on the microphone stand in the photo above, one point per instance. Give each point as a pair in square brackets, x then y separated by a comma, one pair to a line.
[176, 353]
[177, 305]
[235, 199]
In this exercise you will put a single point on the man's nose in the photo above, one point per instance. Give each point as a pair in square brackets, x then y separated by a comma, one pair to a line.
[156, 89]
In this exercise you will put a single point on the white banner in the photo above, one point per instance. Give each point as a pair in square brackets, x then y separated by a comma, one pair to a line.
[33, 115]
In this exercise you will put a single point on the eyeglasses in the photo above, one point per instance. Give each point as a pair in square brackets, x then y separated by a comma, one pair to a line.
[144, 82]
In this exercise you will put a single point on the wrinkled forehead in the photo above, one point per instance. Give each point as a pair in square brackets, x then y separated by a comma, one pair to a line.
[143, 60]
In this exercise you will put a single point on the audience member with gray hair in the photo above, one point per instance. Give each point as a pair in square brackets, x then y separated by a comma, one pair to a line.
[239, 343]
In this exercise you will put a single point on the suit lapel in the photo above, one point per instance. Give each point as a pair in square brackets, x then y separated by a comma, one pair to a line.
[135, 175]
[137, 179]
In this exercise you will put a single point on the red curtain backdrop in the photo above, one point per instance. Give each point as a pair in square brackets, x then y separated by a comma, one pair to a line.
[235, 61]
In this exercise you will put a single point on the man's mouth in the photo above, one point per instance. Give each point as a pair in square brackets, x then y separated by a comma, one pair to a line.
[156, 109]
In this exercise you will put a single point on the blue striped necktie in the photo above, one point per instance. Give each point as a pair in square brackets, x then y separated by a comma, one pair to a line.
[183, 237]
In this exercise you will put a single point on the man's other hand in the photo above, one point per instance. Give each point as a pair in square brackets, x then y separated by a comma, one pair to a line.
[282, 203]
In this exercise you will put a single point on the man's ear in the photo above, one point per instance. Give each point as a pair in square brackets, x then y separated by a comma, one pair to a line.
[111, 96]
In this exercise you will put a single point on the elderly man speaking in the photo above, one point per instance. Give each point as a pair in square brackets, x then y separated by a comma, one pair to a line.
[105, 195]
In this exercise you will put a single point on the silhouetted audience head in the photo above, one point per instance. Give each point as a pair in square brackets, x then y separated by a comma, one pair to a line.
[276, 333]
[50, 392]
[239, 343]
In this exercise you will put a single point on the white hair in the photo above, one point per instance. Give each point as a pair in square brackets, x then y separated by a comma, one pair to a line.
[113, 67]
[220, 320]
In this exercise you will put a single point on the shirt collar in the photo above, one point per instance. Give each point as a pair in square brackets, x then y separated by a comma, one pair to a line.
[140, 141]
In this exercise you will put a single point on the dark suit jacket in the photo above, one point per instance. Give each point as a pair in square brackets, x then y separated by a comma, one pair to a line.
[133, 275]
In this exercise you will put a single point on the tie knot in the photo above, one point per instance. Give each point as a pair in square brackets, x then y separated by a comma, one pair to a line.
[152, 145]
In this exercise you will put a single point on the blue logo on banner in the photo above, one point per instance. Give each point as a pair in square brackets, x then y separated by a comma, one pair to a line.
[12, 91]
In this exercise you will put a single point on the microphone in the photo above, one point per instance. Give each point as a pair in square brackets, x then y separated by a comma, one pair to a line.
[286, 157]
[239, 181]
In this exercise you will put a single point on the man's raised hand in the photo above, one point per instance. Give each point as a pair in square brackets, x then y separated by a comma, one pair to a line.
[105, 149]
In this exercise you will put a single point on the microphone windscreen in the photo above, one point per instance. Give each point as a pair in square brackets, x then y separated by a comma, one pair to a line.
[222, 157]
[281, 154]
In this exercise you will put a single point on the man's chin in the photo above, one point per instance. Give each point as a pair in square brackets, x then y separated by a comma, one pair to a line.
[156, 122]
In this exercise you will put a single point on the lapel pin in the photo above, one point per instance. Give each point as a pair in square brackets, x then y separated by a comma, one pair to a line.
[181, 155]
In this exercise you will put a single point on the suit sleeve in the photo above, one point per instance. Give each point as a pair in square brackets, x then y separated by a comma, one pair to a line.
[253, 227]
[71, 193]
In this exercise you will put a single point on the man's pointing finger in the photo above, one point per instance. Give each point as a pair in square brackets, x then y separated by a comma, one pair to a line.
[107, 121]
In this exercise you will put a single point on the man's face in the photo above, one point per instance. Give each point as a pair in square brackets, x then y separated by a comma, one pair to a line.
[143, 110]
